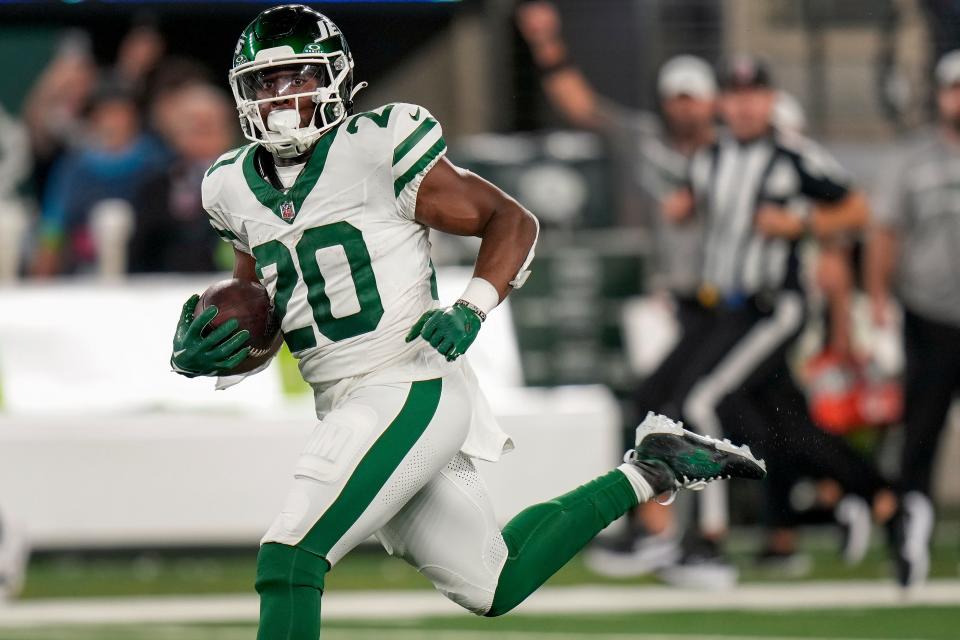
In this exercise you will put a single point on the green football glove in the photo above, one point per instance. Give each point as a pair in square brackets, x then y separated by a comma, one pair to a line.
[196, 355]
[450, 331]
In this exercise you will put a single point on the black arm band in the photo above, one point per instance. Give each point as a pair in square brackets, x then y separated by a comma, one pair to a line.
[560, 65]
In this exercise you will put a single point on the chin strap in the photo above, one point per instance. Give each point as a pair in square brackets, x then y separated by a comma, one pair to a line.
[357, 89]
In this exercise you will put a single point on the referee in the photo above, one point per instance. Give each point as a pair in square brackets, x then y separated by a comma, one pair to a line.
[733, 377]
[914, 242]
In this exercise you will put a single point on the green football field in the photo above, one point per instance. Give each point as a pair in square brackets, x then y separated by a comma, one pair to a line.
[74, 578]
[179, 573]
[915, 623]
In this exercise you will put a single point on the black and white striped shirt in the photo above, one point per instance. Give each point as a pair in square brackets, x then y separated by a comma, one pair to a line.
[731, 180]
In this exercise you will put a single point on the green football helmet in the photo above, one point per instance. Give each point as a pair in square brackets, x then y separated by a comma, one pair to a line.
[296, 57]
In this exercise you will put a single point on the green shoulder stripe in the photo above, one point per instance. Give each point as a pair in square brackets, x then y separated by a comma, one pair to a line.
[229, 160]
[411, 173]
[411, 140]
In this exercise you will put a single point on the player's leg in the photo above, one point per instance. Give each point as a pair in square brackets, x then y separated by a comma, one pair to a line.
[703, 563]
[14, 555]
[658, 391]
[767, 409]
[756, 337]
[449, 533]
[367, 457]
[929, 384]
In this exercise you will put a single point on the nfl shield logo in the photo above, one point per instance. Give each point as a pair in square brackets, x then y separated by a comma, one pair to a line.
[287, 211]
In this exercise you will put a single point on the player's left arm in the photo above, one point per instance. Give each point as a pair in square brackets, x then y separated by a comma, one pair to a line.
[456, 201]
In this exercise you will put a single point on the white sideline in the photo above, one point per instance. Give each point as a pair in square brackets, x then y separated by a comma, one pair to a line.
[384, 605]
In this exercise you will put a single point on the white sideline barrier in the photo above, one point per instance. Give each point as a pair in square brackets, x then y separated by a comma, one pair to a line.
[197, 479]
[100, 444]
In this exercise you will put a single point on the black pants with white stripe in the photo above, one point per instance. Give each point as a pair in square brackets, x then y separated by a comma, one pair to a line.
[661, 390]
[931, 382]
[729, 376]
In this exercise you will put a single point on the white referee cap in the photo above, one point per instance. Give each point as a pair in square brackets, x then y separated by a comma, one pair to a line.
[948, 69]
[687, 75]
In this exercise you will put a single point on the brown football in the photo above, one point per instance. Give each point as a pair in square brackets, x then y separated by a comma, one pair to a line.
[249, 303]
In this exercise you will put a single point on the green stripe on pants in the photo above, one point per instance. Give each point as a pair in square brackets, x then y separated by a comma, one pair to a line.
[375, 468]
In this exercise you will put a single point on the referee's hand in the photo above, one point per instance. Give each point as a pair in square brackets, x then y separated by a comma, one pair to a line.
[778, 222]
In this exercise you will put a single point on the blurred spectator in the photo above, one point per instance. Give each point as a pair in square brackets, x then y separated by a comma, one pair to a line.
[913, 244]
[163, 93]
[172, 230]
[653, 153]
[53, 110]
[139, 55]
[112, 163]
[14, 167]
[736, 380]
[14, 556]
[14, 155]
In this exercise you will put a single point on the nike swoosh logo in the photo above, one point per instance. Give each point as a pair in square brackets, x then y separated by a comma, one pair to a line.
[176, 354]
[415, 116]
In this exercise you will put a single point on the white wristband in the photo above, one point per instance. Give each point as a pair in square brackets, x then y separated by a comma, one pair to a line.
[481, 294]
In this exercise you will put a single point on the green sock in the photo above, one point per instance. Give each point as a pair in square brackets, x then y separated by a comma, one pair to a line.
[544, 537]
[290, 584]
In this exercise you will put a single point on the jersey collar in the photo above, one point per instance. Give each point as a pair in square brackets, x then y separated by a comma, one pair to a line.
[286, 204]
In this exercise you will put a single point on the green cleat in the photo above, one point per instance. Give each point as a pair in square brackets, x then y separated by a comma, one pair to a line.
[672, 458]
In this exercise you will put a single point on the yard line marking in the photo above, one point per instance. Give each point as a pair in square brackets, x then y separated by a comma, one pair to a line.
[361, 633]
[411, 605]
[451, 634]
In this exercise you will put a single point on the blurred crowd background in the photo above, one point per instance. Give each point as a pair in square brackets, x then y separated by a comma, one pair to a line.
[110, 113]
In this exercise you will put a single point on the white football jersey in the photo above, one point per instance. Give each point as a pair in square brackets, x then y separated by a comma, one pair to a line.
[339, 252]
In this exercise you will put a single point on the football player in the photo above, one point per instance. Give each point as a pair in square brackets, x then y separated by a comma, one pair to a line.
[331, 211]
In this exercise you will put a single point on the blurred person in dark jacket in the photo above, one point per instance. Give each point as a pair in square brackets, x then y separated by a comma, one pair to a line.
[913, 247]
[112, 162]
[653, 153]
[53, 109]
[167, 83]
[172, 231]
